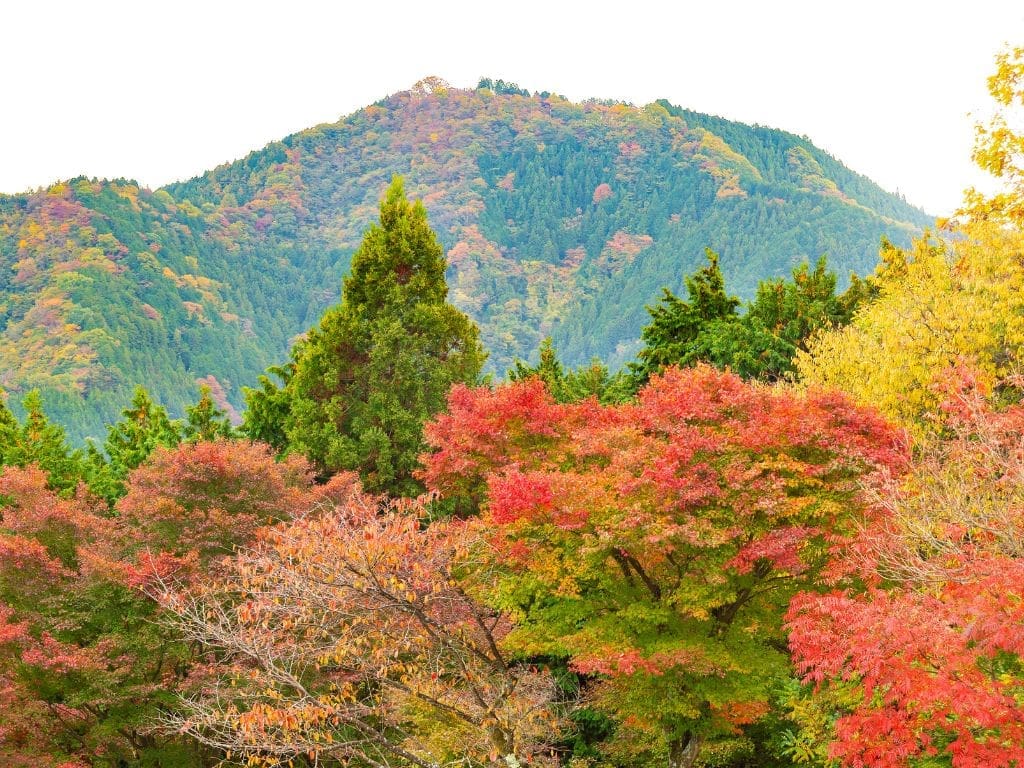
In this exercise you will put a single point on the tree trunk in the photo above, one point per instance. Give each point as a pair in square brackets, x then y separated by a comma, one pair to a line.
[683, 751]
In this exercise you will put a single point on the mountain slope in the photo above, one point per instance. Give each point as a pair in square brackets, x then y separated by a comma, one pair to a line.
[559, 218]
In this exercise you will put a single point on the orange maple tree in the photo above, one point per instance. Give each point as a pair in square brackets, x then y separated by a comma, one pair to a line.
[655, 545]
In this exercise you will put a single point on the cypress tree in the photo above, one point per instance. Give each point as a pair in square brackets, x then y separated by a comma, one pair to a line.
[381, 362]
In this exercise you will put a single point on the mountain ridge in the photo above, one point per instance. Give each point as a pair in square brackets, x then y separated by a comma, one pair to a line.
[559, 218]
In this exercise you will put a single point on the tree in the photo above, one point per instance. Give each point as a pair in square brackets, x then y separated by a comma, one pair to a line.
[205, 421]
[928, 662]
[943, 302]
[86, 664]
[8, 431]
[38, 441]
[999, 147]
[676, 324]
[939, 303]
[758, 344]
[655, 545]
[143, 427]
[352, 634]
[794, 309]
[202, 499]
[592, 380]
[267, 407]
[84, 668]
[381, 363]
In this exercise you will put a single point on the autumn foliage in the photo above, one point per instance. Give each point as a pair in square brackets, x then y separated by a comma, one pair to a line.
[208, 497]
[85, 667]
[656, 544]
[935, 644]
[351, 634]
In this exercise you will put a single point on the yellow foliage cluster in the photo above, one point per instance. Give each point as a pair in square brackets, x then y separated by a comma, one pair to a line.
[943, 303]
[952, 300]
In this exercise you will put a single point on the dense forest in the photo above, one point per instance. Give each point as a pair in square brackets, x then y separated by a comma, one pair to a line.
[788, 531]
[559, 219]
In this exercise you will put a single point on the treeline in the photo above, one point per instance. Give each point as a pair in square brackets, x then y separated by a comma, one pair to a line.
[785, 534]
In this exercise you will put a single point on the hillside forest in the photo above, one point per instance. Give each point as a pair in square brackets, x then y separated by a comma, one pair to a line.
[558, 219]
[783, 525]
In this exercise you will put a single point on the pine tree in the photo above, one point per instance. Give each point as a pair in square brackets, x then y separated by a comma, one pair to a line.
[381, 362]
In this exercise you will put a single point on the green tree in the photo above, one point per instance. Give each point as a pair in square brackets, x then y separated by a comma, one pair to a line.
[38, 441]
[143, 426]
[267, 407]
[762, 342]
[205, 421]
[571, 386]
[8, 431]
[381, 362]
[676, 324]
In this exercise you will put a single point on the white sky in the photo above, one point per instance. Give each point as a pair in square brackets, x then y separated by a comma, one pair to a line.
[160, 91]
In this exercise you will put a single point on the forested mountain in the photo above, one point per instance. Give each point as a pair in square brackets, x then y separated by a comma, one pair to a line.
[558, 218]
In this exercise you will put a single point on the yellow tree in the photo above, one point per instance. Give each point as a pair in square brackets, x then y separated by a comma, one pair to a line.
[948, 300]
[999, 147]
[943, 302]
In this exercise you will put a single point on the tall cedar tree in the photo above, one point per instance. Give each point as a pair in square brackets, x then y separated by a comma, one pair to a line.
[382, 361]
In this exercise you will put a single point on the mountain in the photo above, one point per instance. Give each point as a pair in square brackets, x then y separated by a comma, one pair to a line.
[559, 219]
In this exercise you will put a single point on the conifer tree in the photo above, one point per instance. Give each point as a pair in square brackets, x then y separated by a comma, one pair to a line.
[381, 362]
[762, 342]
[206, 421]
[676, 324]
[572, 386]
[39, 441]
[143, 426]
[8, 431]
[267, 407]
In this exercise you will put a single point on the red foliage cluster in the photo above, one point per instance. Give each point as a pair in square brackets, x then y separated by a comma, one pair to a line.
[937, 641]
[199, 500]
[78, 641]
[694, 512]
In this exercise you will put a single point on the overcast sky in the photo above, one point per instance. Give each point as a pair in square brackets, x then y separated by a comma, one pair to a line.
[163, 91]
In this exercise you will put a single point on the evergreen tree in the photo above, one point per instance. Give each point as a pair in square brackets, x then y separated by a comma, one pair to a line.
[39, 441]
[759, 344]
[594, 380]
[143, 426]
[8, 431]
[676, 324]
[205, 421]
[381, 362]
[268, 406]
